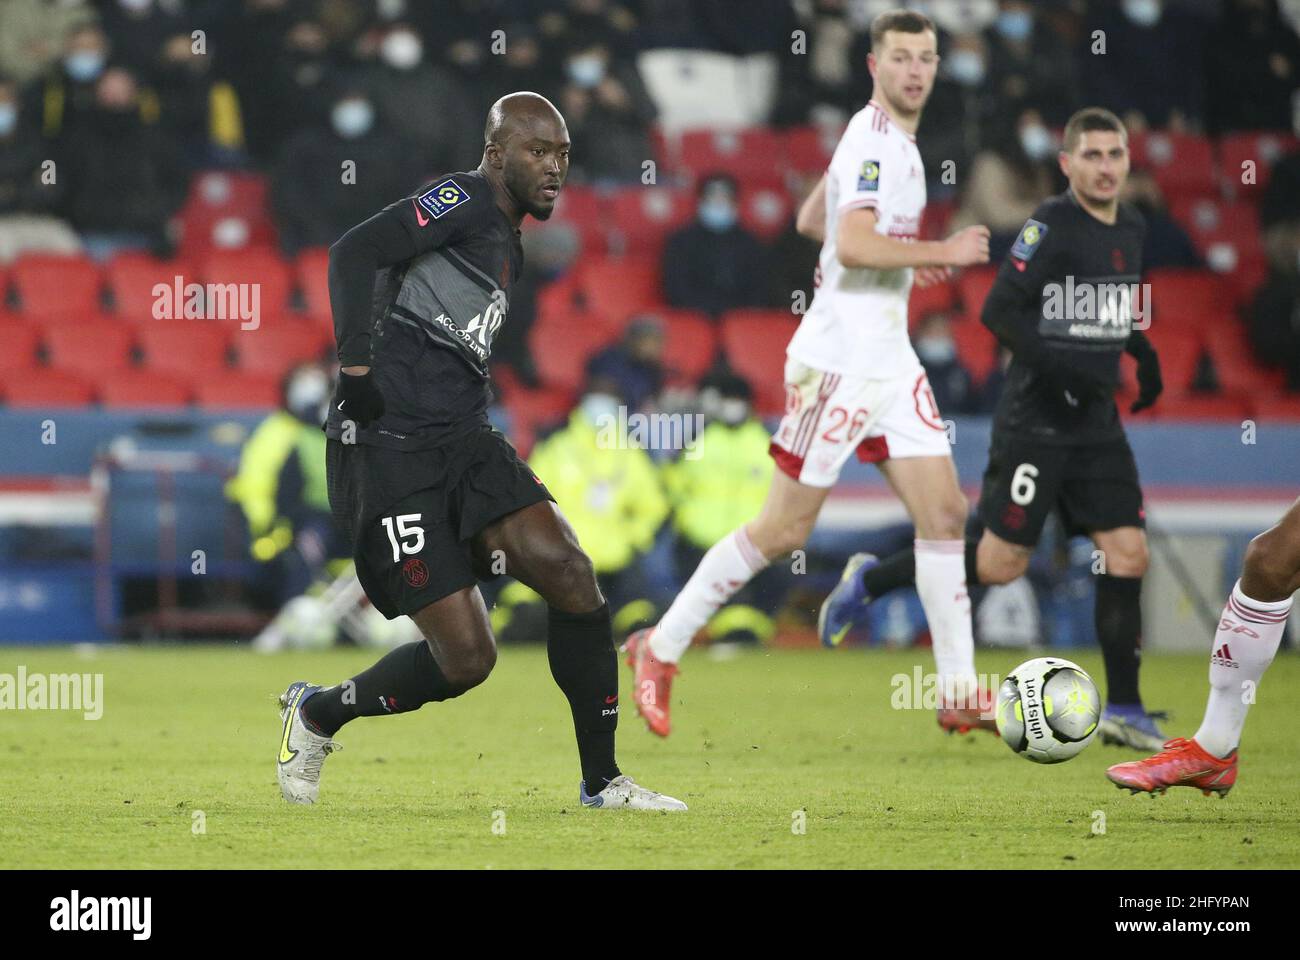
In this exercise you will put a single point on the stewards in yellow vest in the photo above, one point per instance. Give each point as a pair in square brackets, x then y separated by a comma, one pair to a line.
[609, 490]
[281, 487]
[719, 489]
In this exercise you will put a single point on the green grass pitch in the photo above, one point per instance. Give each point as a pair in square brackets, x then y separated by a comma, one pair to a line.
[762, 741]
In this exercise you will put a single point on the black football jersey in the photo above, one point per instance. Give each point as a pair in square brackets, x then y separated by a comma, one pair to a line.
[1074, 283]
[436, 312]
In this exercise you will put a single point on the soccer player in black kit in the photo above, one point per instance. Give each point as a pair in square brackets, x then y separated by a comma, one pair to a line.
[430, 494]
[1063, 304]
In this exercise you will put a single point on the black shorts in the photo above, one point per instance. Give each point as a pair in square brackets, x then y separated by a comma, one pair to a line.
[1094, 486]
[410, 515]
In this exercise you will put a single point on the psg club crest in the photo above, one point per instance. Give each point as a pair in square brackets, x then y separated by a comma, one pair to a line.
[415, 573]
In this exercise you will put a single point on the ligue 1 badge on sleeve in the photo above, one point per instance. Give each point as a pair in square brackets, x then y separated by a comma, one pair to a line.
[869, 175]
[442, 198]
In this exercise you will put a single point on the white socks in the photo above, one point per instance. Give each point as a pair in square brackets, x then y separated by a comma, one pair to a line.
[941, 583]
[728, 566]
[1250, 631]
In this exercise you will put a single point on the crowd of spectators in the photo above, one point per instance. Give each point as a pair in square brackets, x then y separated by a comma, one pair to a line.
[129, 97]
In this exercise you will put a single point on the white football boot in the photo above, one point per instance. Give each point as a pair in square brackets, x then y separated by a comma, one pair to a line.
[624, 793]
[301, 751]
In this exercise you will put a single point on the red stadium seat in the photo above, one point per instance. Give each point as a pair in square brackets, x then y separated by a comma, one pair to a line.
[142, 388]
[225, 211]
[132, 278]
[276, 347]
[755, 342]
[642, 217]
[616, 287]
[53, 388]
[1182, 164]
[1229, 405]
[973, 285]
[939, 298]
[765, 208]
[89, 348]
[186, 348]
[1213, 223]
[50, 285]
[1188, 298]
[1279, 406]
[561, 350]
[935, 219]
[20, 348]
[238, 391]
[1237, 368]
[257, 266]
[976, 346]
[753, 151]
[809, 149]
[1180, 353]
[1262, 149]
[583, 209]
[690, 343]
[531, 410]
[312, 272]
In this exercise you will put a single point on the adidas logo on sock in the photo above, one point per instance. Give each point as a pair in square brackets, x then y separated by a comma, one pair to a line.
[1223, 657]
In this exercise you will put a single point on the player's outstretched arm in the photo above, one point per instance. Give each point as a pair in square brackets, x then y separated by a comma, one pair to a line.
[859, 245]
[811, 221]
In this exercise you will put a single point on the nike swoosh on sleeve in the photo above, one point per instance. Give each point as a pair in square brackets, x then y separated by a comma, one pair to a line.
[419, 217]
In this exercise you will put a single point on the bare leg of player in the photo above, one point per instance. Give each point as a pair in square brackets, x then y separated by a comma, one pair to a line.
[1249, 634]
[929, 490]
[542, 552]
[783, 525]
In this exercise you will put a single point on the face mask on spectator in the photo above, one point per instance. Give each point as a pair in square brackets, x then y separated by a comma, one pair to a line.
[352, 118]
[1015, 24]
[401, 50]
[936, 350]
[84, 65]
[733, 411]
[8, 119]
[966, 67]
[307, 394]
[1145, 13]
[1036, 140]
[717, 215]
[599, 408]
[586, 71]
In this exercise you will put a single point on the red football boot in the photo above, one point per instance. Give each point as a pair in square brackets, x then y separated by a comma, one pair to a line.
[1182, 763]
[977, 713]
[652, 682]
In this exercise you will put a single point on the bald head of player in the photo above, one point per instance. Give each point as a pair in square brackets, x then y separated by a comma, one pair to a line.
[525, 154]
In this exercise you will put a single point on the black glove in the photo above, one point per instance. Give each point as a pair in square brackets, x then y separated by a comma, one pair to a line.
[1150, 383]
[358, 399]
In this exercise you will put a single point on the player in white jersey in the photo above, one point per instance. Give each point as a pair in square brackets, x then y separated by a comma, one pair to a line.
[853, 383]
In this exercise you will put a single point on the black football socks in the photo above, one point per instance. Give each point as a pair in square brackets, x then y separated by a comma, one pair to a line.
[1118, 615]
[580, 648]
[404, 679]
[899, 570]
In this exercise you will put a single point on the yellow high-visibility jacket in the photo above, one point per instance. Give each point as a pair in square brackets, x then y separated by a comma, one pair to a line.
[612, 497]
